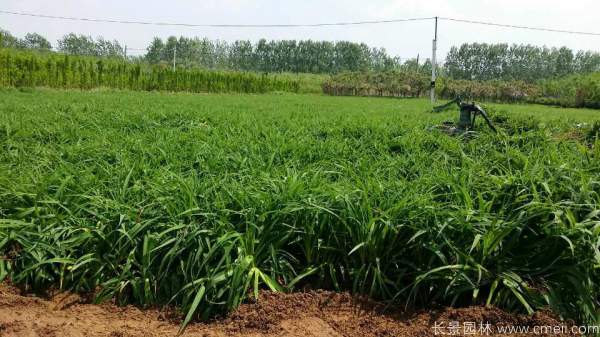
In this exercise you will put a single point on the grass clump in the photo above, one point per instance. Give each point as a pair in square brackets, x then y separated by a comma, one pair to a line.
[199, 201]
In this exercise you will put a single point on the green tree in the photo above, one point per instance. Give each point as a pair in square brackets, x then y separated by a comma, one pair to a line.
[155, 51]
[108, 48]
[271, 56]
[36, 41]
[77, 45]
[85, 45]
[481, 61]
[7, 40]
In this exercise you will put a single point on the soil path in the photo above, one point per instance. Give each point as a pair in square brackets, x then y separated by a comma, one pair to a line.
[307, 314]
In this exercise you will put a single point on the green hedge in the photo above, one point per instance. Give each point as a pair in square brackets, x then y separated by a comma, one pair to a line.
[31, 69]
[574, 91]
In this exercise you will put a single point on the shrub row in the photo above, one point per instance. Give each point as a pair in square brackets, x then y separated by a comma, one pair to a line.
[574, 91]
[388, 84]
[30, 69]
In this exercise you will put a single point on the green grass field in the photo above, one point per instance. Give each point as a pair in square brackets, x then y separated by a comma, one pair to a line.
[201, 200]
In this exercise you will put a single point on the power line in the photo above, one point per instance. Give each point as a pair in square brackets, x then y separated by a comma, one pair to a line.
[214, 25]
[543, 29]
[350, 23]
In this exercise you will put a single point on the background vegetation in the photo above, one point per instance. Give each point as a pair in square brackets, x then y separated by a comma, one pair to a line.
[31, 69]
[484, 62]
[403, 83]
[470, 61]
[30, 41]
[307, 56]
[574, 91]
[70, 44]
[293, 56]
[479, 71]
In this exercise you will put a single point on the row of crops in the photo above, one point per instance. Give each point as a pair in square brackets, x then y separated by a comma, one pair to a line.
[382, 84]
[577, 91]
[200, 201]
[574, 91]
[30, 69]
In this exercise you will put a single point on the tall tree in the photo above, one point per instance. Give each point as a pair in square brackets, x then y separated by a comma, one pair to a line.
[86, 45]
[7, 40]
[36, 41]
[77, 45]
[272, 56]
[483, 61]
[155, 51]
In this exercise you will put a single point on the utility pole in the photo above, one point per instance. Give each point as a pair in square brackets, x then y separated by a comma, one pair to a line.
[174, 58]
[433, 61]
[418, 55]
[126, 52]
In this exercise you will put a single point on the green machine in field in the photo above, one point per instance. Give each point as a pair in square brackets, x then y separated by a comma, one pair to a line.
[466, 120]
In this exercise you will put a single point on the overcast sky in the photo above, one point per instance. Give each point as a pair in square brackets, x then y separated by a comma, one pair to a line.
[401, 39]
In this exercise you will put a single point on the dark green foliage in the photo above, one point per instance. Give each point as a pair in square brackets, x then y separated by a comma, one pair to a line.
[579, 91]
[305, 56]
[37, 42]
[493, 90]
[594, 133]
[85, 45]
[484, 62]
[385, 84]
[29, 69]
[30, 41]
[200, 200]
[573, 91]
[7, 40]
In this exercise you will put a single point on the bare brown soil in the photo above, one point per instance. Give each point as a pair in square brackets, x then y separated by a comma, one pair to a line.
[315, 313]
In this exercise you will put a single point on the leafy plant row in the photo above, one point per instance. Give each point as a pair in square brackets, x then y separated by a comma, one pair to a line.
[30, 69]
[574, 91]
[384, 84]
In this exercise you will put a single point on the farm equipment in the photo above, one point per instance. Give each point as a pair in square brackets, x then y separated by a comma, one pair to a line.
[466, 121]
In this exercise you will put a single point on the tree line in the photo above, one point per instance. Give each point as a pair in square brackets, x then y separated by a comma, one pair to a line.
[72, 44]
[29, 41]
[304, 56]
[470, 61]
[483, 62]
